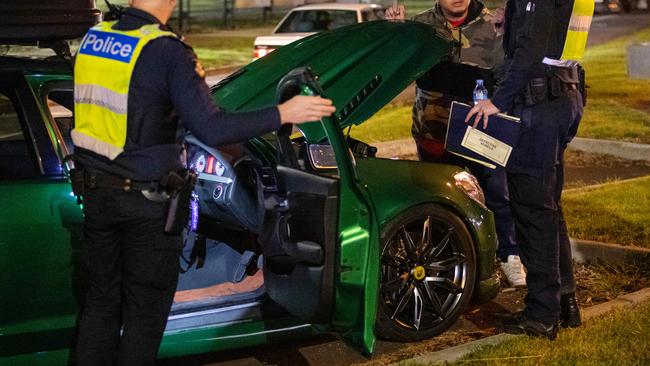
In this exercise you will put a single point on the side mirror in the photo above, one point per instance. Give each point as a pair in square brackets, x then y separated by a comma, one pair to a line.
[321, 156]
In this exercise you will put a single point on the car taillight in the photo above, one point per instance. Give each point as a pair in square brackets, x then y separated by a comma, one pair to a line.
[260, 52]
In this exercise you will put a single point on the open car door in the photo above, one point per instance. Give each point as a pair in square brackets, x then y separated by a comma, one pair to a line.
[320, 231]
[320, 253]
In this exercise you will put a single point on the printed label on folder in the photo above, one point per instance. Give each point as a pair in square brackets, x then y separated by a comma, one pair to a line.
[487, 146]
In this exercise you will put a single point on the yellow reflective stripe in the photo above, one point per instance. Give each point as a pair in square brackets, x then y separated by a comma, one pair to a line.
[101, 123]
[100, 96]
[95, 145]
[580, 23]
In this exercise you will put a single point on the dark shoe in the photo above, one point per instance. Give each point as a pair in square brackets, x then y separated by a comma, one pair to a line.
[521, 324]
[570, 311]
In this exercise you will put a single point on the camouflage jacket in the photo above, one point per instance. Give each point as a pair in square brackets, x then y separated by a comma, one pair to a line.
[479, 56]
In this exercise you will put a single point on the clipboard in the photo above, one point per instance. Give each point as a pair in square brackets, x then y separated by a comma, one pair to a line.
[489, 147]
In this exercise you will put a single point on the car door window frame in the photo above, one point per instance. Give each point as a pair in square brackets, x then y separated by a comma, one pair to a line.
[49, 164]
[54, 86]
[11, 93]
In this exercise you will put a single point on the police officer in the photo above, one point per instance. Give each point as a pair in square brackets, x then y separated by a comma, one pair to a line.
[133, 78]
[543, 41]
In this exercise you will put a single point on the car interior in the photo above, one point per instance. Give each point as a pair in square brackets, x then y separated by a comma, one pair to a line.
[255, 225]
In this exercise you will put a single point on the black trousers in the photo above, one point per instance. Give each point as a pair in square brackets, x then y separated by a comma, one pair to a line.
[536, 179]
[132, 276]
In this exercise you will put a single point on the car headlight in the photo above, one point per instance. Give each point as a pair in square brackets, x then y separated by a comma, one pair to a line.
[468, 183]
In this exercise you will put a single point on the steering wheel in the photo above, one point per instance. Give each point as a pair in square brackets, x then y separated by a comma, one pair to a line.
[300, 80]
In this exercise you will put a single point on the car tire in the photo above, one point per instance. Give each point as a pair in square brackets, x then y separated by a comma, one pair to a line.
[423, 290]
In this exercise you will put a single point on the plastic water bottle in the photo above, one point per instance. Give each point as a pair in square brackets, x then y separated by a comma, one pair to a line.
[480, 92]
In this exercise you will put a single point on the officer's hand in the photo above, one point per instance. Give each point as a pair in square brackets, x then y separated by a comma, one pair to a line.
[303, 108]
[395, 13]
[483, 109]
[498, 18]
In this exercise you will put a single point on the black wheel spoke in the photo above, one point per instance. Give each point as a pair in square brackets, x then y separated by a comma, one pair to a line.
[403, 301]
[446, 264]
[393, 285]
[426, 236]
[445, 284]
[394, 261]
[436, 304]
[437, 250]
[417, 308]
[408, 243]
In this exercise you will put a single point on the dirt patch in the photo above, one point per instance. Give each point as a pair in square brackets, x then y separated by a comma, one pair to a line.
[582, 169]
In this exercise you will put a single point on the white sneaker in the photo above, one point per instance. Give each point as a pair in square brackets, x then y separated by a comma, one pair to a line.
[514, 271]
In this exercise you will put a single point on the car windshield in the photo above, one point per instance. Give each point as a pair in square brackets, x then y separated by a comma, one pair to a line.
[316, 20]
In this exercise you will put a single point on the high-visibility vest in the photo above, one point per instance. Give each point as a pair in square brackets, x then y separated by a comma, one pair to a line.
[576, 36]
[102, 75]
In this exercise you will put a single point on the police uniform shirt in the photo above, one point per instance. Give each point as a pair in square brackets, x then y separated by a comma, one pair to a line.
[534, 29]
[166, 85]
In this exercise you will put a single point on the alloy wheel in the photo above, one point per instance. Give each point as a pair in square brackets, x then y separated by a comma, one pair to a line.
[424, 272]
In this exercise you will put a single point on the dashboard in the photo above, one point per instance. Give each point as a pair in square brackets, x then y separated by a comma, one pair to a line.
[225, 189]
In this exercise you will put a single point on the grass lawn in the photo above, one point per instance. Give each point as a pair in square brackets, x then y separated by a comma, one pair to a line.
[618, 338]
[222, 51]
[390, 123]
[618, 108]
[615, 212]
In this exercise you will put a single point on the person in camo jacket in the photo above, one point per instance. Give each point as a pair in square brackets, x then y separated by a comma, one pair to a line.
[478, 55]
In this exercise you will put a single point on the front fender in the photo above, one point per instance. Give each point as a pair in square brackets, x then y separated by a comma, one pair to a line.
[397, 185]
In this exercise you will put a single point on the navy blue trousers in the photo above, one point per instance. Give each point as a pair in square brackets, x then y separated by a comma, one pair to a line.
[535, 181]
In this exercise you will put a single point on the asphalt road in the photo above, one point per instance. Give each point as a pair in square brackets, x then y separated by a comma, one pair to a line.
[607, 27]
[328, 350]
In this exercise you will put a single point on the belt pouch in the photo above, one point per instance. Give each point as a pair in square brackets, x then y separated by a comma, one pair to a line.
[178, 207]
[582, 86]
[538, 90]
[555, 87]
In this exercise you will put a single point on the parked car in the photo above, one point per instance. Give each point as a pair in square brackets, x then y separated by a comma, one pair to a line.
[306, 20]
[302, 235]
[619, 6]
[608, 6]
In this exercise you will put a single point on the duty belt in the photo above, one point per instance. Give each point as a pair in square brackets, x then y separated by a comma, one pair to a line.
[103, 180]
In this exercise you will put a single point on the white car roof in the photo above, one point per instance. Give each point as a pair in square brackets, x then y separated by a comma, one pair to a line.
[336, 6]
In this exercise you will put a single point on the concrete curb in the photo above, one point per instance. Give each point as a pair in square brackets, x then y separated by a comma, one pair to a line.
[395, 148]
[453, 354]
[586, 251]
[625, 150]
[601, 185]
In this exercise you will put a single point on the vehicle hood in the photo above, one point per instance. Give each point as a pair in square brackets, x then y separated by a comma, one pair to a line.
[280, 39]
[361, 67]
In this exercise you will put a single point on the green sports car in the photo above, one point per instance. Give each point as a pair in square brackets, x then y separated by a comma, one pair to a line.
[295, 233]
